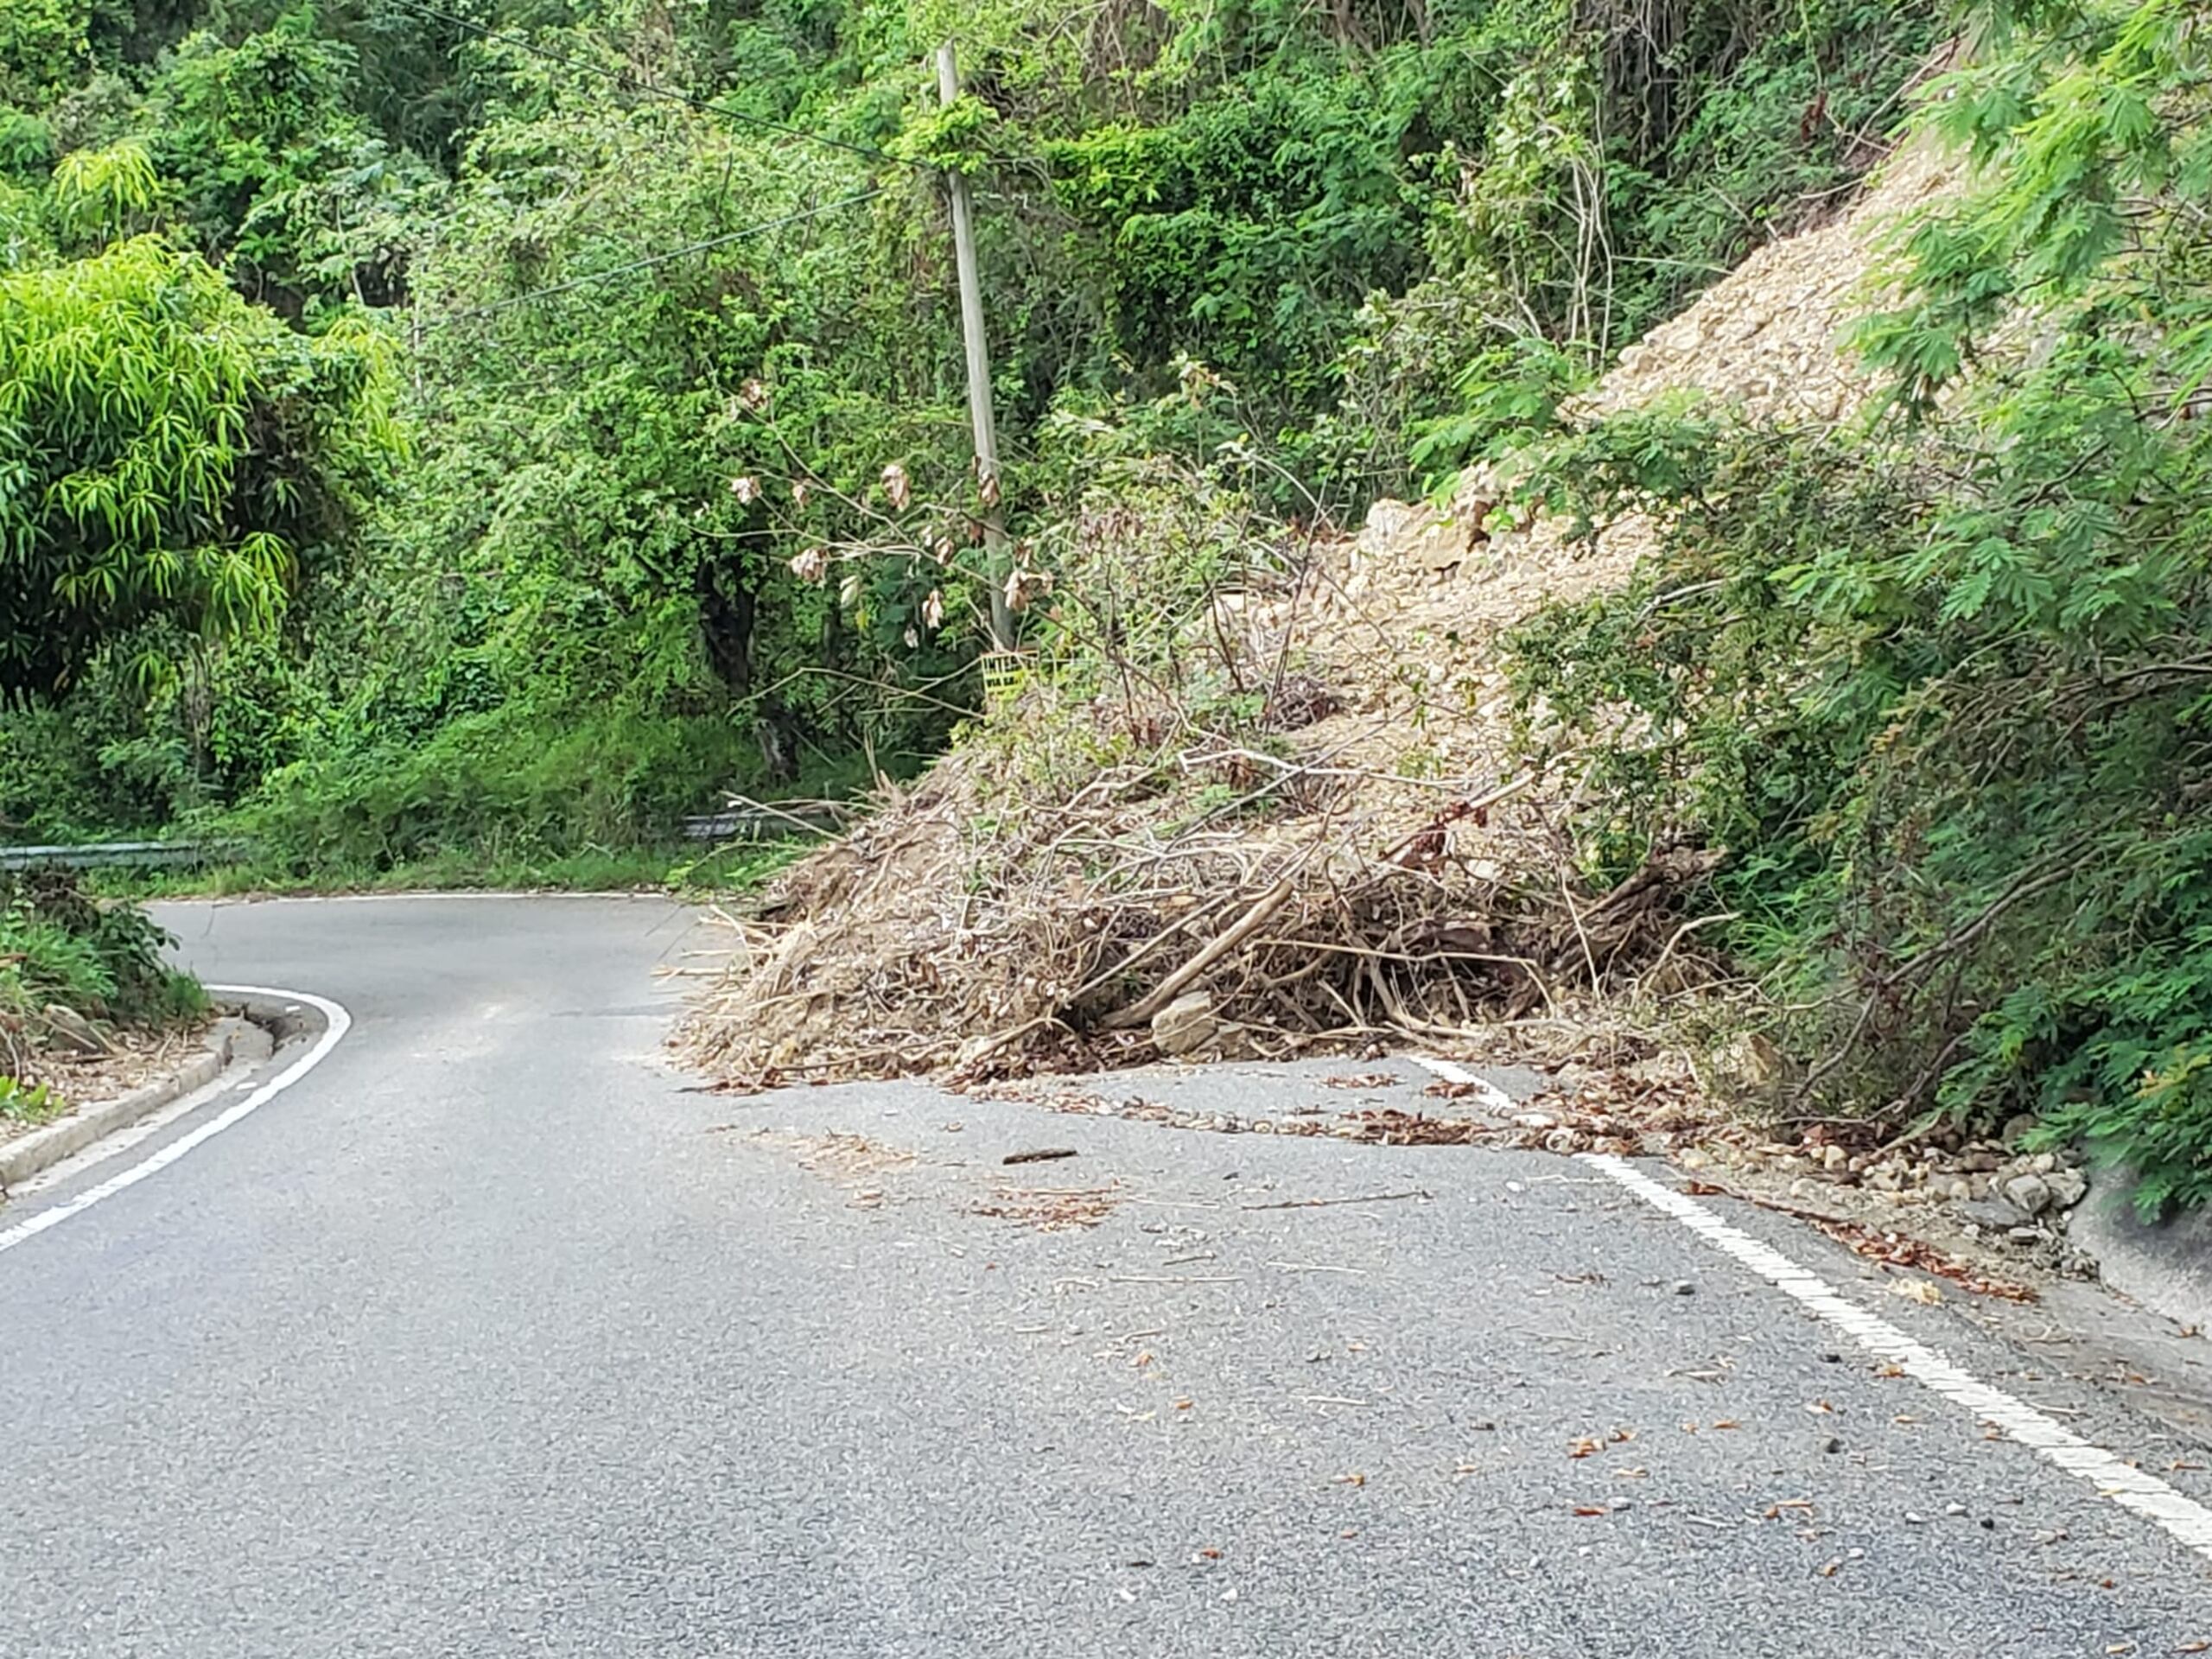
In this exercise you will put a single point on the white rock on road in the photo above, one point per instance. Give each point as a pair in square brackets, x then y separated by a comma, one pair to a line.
[2031, 1194]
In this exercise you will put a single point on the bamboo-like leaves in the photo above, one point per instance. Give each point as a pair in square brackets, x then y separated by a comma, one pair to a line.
[130, 486]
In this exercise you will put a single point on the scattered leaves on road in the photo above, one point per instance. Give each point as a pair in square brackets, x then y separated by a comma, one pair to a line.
[1051, 1209]
[1445, 1090]
[852, 1161]
[839, 1154]
[1892, 1248]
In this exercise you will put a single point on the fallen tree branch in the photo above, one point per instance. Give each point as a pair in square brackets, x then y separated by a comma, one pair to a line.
[1106, 976]
[1320, 1204]
[1141, 1011]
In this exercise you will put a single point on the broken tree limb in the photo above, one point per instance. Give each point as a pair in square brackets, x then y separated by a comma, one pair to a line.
[1243, 928]
[1106, 976]
[1322, 1203]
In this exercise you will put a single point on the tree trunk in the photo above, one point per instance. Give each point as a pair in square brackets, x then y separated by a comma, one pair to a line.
[726, 615]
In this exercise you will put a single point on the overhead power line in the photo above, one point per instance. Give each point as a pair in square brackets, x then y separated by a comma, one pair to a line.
[638, 83]
[651, 260]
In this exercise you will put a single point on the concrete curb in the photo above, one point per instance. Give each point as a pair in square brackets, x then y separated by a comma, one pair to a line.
[233, 1037]
[2165, 1265]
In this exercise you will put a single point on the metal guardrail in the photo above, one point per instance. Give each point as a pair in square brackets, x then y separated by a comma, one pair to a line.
[135, 854]
[748, 820]
[757, 820]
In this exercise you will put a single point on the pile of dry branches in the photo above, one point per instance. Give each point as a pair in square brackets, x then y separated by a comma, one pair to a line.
[1306, 888]
[1359, 859]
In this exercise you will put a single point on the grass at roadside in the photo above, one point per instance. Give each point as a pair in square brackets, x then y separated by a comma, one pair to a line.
[81, 980]
[27, 1105]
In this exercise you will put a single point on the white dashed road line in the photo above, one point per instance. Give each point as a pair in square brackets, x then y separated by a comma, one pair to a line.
[336, 1022]
[2187, 1521]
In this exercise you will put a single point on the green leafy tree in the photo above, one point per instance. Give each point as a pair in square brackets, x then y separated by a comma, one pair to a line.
[1940, 691]
[279, 176]
[42, 47]
[167, 451]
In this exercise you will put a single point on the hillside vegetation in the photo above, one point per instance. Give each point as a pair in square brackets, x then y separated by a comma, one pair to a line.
[455, 426]
[477, 432]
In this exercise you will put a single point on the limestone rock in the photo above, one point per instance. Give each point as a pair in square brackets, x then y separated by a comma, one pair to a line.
[1994, 1214]
[2067, 1187]
[1186, 1025]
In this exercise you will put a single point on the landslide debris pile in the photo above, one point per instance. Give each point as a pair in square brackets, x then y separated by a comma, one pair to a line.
[1098, 875]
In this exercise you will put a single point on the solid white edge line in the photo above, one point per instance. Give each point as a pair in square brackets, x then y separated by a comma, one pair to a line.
[337, 1022]
[2186, 1521]
[1490, 1095]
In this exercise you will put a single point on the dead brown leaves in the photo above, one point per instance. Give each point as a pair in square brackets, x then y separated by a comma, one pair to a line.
[1591, 1445]
[867, 1170]
[1388, 1127]
[854, 1163]
[1051, 1209]
[1899, 1251]
[1891, 1247]
[839, 1156]
[132, 1058]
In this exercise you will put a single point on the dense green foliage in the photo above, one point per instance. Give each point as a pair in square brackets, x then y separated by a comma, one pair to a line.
[1940, 689]
[174, 456]
[60, 949]
[434, 429]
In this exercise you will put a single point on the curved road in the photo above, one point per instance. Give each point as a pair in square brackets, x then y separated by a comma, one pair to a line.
[488, 1337]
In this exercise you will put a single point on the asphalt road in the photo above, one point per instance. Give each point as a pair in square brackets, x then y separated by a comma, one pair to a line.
[488, 1338]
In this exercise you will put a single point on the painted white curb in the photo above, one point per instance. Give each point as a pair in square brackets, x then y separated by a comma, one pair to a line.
[337, 1022]
[43, 1148]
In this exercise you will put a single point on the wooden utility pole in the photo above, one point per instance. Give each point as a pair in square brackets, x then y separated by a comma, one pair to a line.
[980, 415]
